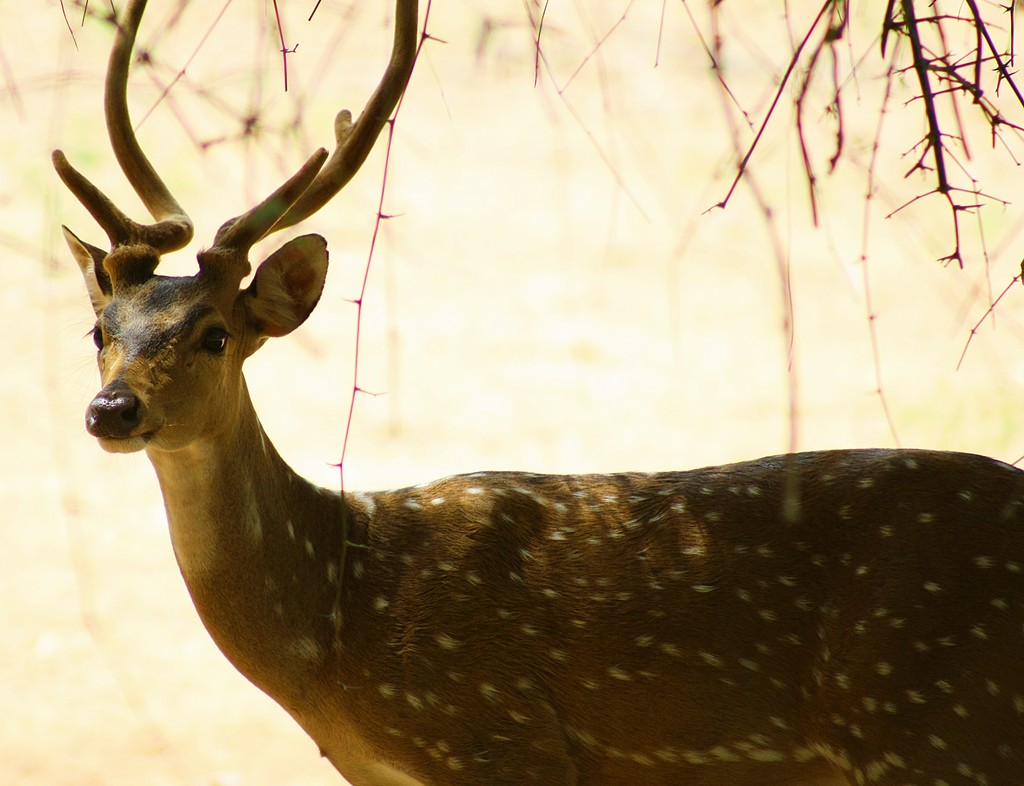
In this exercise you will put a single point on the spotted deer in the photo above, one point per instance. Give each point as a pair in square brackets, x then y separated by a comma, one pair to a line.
[835, 618]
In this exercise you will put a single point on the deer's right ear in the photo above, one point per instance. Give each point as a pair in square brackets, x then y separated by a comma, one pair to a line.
[90, 262]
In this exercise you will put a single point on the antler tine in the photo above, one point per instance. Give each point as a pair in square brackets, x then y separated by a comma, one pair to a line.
[353, 141]
[237, 235]
[115, 223]
[172, 228]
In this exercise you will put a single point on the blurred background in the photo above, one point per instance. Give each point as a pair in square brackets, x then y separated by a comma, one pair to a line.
[549, 292]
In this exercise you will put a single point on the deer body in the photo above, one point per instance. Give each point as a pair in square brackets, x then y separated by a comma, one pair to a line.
[777, 621]
[822, 619]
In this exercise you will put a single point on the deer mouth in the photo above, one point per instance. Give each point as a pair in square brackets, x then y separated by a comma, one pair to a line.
[128, 444]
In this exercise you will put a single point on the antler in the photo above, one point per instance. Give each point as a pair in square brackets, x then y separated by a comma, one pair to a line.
[353, 142]
[172, 228]
[299, 197]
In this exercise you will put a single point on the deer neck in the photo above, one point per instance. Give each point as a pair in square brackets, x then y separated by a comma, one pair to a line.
[248, 533]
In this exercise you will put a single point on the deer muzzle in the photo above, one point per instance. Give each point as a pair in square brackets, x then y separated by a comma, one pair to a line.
[114, 417]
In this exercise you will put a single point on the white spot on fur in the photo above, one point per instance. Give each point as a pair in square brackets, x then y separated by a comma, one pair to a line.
[306, 649]
[446, 642]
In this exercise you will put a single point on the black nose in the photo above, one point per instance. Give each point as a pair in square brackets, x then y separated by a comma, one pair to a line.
[113, 413]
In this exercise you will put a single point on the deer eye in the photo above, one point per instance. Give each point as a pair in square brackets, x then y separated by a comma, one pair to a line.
[97, 337]
[215, 340]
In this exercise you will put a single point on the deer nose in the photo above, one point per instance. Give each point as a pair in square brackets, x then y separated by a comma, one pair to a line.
[113, 413]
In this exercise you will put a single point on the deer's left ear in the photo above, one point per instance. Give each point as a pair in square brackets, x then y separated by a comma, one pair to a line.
[287, 286]
[90, 262]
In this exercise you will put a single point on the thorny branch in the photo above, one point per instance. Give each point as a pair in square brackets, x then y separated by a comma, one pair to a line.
[793, 62]
[956, 65]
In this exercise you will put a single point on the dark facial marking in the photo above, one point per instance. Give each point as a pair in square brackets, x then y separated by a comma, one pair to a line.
[149, 337]
[111, 319]
[164, 292]
[157, 340]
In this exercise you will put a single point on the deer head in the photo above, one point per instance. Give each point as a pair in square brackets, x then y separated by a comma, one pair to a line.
[171, 348]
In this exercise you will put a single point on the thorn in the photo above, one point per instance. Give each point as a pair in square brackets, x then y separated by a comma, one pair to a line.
[370, 393]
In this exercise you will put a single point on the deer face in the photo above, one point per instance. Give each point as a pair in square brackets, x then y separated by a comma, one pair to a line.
[170, 349]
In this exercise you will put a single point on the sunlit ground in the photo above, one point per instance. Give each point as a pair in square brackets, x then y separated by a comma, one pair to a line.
[549, 295]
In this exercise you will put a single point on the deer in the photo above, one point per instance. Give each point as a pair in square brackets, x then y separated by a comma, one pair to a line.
[831, 618]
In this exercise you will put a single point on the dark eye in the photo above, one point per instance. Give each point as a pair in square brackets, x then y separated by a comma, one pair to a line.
[215, 340]
[97, 337]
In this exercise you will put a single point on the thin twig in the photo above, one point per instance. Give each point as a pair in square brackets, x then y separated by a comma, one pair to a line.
[1004, 72]
[988, 312]
[741, 169]
[285, 51]
[869, 307]
[716, 66]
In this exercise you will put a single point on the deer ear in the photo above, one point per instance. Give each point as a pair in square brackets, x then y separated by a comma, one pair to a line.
[90, 262]
[287, 286]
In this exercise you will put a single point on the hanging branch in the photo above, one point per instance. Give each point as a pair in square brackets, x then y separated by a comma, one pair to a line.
[933, 142]
[942, 78]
